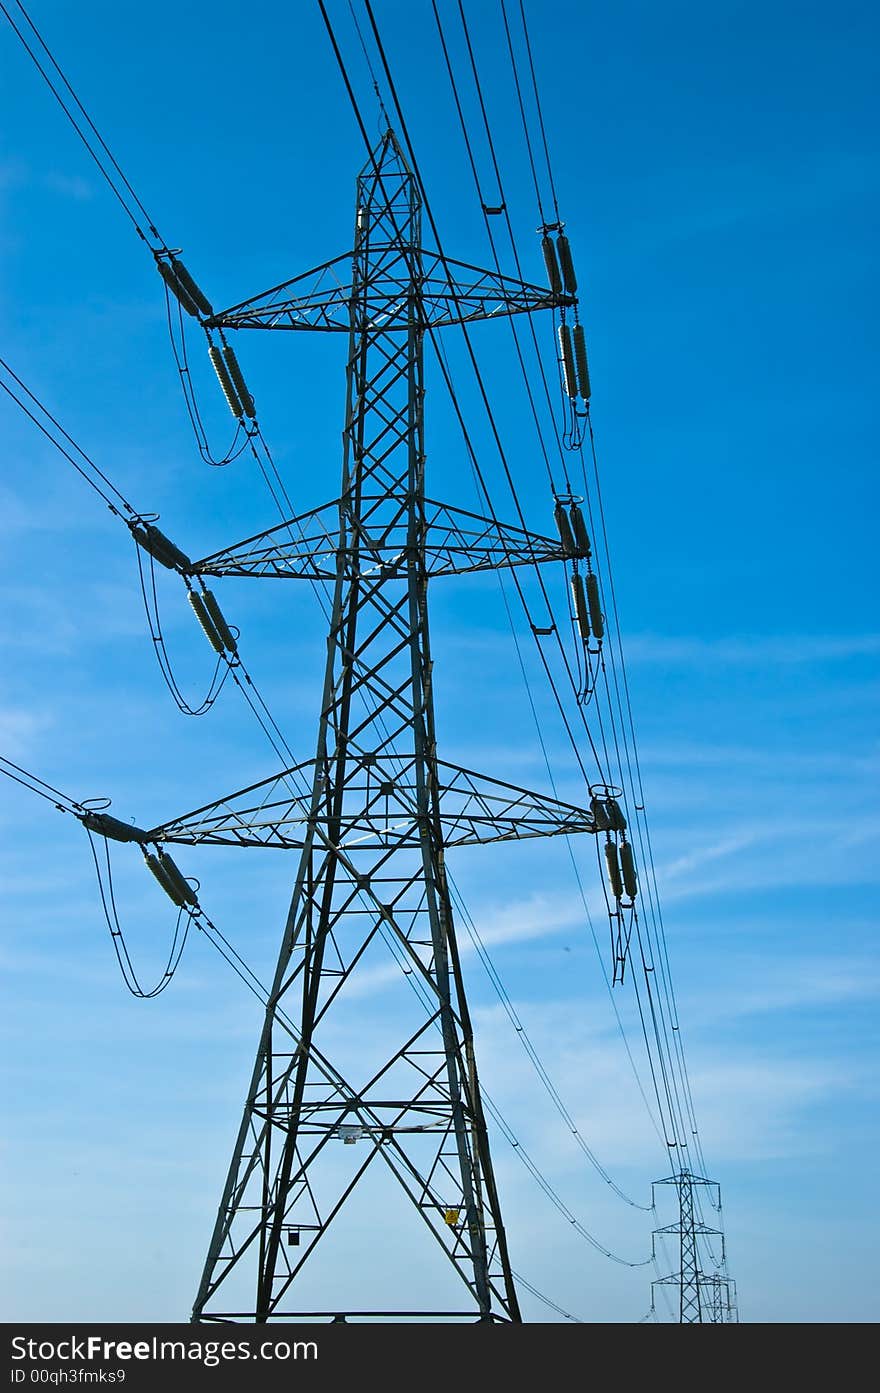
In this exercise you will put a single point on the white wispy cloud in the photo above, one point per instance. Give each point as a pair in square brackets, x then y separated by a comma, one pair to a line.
[706, 854]
[744, 650]
[757, 759]
[758, 1107]
[72, 186]
[19, 728]
[761, 987]
[519, 921]
[804, 852]
[16, 174]
[38, 619]
[752, 1105]
[17, 516]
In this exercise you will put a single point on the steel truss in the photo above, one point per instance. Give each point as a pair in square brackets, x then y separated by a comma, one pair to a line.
[456, 542]
[381, 809]
[704, 1298]
[442, 301]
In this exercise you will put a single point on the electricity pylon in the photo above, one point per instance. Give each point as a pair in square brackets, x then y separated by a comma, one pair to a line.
[722, 1299]
[379, 809]
[703, 1299]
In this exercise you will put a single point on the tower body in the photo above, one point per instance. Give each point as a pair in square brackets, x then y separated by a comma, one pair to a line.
[690, 1299]
[371, 874]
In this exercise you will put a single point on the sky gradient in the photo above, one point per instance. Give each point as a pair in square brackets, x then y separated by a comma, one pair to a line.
[718, 172]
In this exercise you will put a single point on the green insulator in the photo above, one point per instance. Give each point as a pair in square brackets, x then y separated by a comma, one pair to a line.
[177, 879]
[567, 360]
[595, 605]
[616, 819]
[206, 621]
[579, 528]
[580, 357]
[161, 548]
[564, 529]
[225, 381]
[600, 815]
[235, 373]
[158, 870]
[569, 278]
[188, 285]
[552, 264]
[628, 870]
[580, 607]
[169, 276]
[614, 879]
[220, 624]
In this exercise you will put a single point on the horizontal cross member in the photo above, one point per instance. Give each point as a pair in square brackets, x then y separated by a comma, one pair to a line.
[310, 547]
[380, 811]
[320, 300]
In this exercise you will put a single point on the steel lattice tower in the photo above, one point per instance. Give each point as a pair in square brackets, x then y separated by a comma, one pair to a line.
[382, 809]
[689, 1275]
[722, 1291]
[694, 1307]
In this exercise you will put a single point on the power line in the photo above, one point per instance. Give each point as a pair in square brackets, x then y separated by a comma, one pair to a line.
[86, 468]
[550, 1191]
[647, 859]
[566, 1315]
[105, 884]
[157, 634]
[537, 1062]
[120, 947]
[674, 1056]
[181, 360]
[39, 786]
[679, 1131]
[113, 185]
[222, 667]
[675, 1051]
[249, 690]
[369, 62]
[415, 166]
[441, 356]
[140, 204]
[537, 101]
[487, 221]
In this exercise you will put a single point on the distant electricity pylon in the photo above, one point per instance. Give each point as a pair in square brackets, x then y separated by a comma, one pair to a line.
[382, 809]
[704, 1298]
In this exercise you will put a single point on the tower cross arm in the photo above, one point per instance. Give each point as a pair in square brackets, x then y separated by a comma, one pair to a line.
[316, 299]
[450, 292]
[455, 292]
[380, 811]
[309, 547]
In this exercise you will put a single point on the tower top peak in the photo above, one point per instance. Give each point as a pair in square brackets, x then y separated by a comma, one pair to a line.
[387, 155]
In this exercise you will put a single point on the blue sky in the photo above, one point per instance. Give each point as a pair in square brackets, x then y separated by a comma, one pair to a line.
[717, 169]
